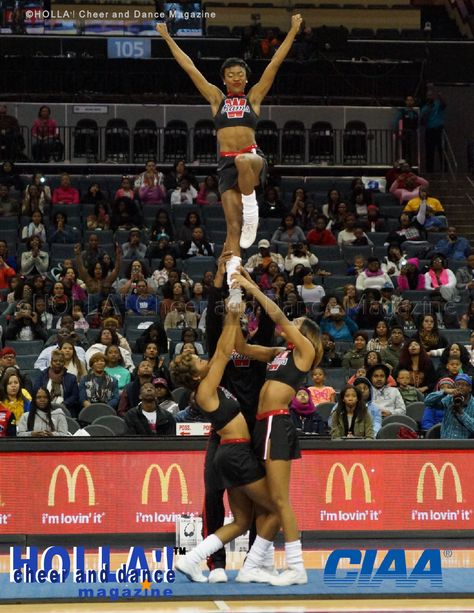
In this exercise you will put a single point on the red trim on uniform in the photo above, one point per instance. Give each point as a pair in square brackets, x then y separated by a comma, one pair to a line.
[231, 94]
[268, 414]
[232, 441]
[233, 154]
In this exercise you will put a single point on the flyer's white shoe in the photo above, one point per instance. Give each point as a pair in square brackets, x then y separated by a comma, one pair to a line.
[248, 234]
[217, 575]
[290, 576]
[192, 571]
[271, 570]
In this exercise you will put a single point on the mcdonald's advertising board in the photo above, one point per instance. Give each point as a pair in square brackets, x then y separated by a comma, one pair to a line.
[135, 491]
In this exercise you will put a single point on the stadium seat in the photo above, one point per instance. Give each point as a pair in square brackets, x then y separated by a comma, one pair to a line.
[175, 144]
[434, 431]
[391, 431]
[266, 135]
[72, 425]
[401, 419]
[145, 140]
[117, 140]
[181, 396]
[197, 266]
[86, 140]
[415, 410]
[26, 362]
[204, 141]
[25, 348]
[114, 422]
[95, 410]
[293, 143]
[321, 143]
[355, 143]
[324, 410]
[99, 430]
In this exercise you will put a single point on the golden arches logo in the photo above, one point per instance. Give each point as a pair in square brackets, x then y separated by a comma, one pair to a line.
[165, 482]
[71, 480]
[348, 478]
[438, 476]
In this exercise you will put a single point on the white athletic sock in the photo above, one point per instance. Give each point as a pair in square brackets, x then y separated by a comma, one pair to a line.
[294, 555]
[256, 556]
[250, 207]
[233, 265]
[209, 545]
[269, 560]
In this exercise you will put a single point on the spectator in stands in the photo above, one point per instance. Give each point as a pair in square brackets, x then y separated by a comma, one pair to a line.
[136, 272]
[141, 301]
[32, 201]
[72, 363]
[59, 302]
[288, 233]
[43, 195]
[130, 395]
[271, 206]
[148, 418]
[454, 351]
[331, 358]
[408, 392]
[9, 176]
[408, 230]
[465, 277]
[428, 333]
[184, 194]
[349, 300]
[40, 308]
[162, 225]
[422, 196]
[97, 385]
[11, 141]
[310, 293]
[432, 116]
[259, 262]
[467, 318]
[35, 227]
[116, 366]
[42, 419]
[60, 231]
[347, 236]
[303, 414]
[453, 246]
[160, 276]
[73, 286]
[373, 222]
[93, 252]
[384, 396]
[299, 253]
[319, 391]
[25, 324]
[414, 358]
[301, 207]
[126, 189]
[365, 388]
[250, 47]
[458, 418]
[150, 170]
[164, 397]
[336, 323]
[161, 247]
[150, 192]
[125, 215]
[6, 270]
[360, 201]
[191, 221]
[157, 361]
[391, 354]
[351, 418]
[9, 206]
[269, 45]
[440, 281]
[405, 126]
[354, 358]
[107, 337]
[180, 171]
[8, 361]
[380, 338]
[373, 276]
[410, 277]
[12, 396]
[197, 246]
[208, 191]
[94, 195]
[65, 193]
[34, 261]
[45, 137]
[61, 385]
[104, 310]
[319, 235]
[271, 282]
[96, 278]
[134, 248]
[189, 335]
[406, 185]
[434, 414]
[334, 199]
[180, 317]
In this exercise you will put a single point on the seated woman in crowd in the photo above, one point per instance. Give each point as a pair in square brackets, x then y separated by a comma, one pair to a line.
[151, 354]
[42, 419]
[440, 281]
[339, 221]
[25, 325]
[125, 215]
[65, 193]
[330, 209]
[271, 205]
[104, 310]
[404, 317]
[94, 194]
[12, 396]
[107, 337]
[393, 262]
[191, 221]
[162, 225]
[456, 351]
[185, 193]
[406, 185]
[116, 366]
[125, 190]
[310, 292]
[350, 301]
[100, 218]
[97, 277]
[45, 137]
[141, 301]
[336, 323]
[72, 363]
[289, 233]
[351, 418]
[178, 294]
[373, 222]
[410, 277]
[301, 207]
[208, 191]
[428, 334]
[265, 280]
[408, 230]
[60, 232]
[35, 227]
[380, 338]
[34, 261]
[97, 385]
[373, 276]
[137, 271]
[354, 358]
[73, 286]
[155, 334]
[180, 171]
[38, 198]
[60, 302]
[189, 335]
[414, 358]
[150, 191]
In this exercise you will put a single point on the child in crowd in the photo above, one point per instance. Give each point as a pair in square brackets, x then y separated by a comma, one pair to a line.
[351, 417]
[304, 414]
[358, 266]
[364, 386]
[408, 392]
[320, 392]
[434, 415]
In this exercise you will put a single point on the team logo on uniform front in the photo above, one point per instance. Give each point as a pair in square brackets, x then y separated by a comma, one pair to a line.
[239, 360]
[235, 107]
[280, 360]
[227, 394]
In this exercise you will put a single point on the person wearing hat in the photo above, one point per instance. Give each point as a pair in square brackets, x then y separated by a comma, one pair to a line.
[373, 276]
[389, 300]
[164, 397]
[386, 397]
[458, 406]
[410, 277]
[134, 248]
[148, 418]
[259, 262]
[433, 415]
[304, 414]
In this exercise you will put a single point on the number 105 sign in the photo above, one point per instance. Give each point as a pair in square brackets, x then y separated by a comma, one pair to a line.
[128, 48]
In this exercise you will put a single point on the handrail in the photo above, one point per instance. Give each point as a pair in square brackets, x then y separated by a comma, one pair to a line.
[449, 159]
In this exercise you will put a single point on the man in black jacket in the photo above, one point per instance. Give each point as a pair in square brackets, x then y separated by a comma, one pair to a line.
[148, 419]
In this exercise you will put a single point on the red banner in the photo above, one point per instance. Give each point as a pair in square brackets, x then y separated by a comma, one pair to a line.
[129, 492]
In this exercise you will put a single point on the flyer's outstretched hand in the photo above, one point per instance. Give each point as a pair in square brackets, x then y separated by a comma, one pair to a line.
[162, 29]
